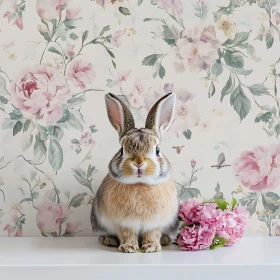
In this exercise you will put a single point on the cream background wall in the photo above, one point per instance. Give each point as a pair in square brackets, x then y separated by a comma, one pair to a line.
[59, 58]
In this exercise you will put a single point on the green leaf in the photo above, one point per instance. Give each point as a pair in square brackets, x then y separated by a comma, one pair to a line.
[75, 141]
[3, 99]
[217, 69]
[15, 115]
[263, 117]
[114, 64]
[258, 89]
[211, 90]
[43, 132]
[74, 36]
[39, 147]
[35, 195]
[26, 200]
[161, 71]
[277, 129]
[124, 11]
[218, 242]
[43, 234]
[56, 132]
[169, 41]
[55, 155]
[17, 128]
[151, 59]
[187, 134]
[84, 37]
[105, 29]
[110, 53]
[190, 193]
[228, 88]
[239, 71]
[167, 32]
[81, 179]
[90, 170]
[65, 117]
[26, 125]
[70, 24]
[240, 102]
[77, 200]
[251, 51]
[150, 19]
[233, 60]
[218, 194]
[233, 202]
[268, 206]
[221, 204]
[273, 196]
[269, 40]
[140, 2]
[53, 234]
[54, 50]
[239, 38]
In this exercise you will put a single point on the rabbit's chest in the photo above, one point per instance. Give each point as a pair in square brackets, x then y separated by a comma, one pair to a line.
[141, 205]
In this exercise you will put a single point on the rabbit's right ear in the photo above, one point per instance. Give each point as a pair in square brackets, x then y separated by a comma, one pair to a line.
[119, 114]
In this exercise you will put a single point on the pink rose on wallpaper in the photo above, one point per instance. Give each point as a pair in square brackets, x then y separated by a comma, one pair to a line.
[196, 237]
[81, 73]
[50, 216]
[50, 9]
[73, 13]
[73, 227]
[259, 169]
[40, 92]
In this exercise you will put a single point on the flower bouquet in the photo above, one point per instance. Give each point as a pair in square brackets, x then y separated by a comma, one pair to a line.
[210, 224]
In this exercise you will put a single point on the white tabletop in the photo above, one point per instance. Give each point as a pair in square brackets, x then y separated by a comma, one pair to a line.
[84, 258]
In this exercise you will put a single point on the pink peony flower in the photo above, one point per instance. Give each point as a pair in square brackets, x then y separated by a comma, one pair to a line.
[232, 226]
[259, 169]
[73, 227]
[50, 216]
[40, 93]
[19, 22]
[69, 51]
[73, 14]
[242, 215]
[50, 9]
[196, 237]
[188, 210]
[116, 39]
[81, 73]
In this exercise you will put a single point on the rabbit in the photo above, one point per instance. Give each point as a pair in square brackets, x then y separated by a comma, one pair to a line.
[137, 203]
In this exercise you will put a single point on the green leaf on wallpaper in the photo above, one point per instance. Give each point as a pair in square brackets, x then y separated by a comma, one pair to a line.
[259, 89]
[169, 41]
[43, 132]
[268, 205]
[251, 50]
[56, 132]
[240, 102]
[277, 129]
[168, 33]
[3, 99]
[217, 69]
[124, 11]
[263, 117]
[234, 202]
[233, 60]
[90, 170]
[239, 39]
[26, 200]
[54, 50]
[26, 125]
[218, 194]
[201, 10]
[190, 193]
[240, 71]
[81, 179]
[211, 90]
[74, 36]
[274, 196]
[17, 128]
[70, 24]
[228, 88]
[269, 40]
[114, 63]
[140, 2]
[15, 115]
[77, 200]
[27, 144]
[55, 155]
[150, 60]
[105, 29]
[84, 37]
[161, 71]
[188, 134]
[39, 148]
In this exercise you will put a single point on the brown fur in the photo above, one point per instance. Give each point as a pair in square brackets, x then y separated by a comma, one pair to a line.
[151, 241]
[149, 199]
[129, 240]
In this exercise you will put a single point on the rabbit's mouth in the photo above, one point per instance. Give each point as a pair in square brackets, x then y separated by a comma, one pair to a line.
[139, 172]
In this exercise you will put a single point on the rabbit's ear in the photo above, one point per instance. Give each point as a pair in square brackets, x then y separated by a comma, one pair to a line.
[161, 114]
[119, 114]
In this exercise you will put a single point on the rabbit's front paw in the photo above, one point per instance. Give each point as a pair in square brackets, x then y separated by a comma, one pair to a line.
[129, 248]
[151, 247]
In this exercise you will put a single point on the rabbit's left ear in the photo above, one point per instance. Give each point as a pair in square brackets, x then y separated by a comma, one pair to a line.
[160, 116]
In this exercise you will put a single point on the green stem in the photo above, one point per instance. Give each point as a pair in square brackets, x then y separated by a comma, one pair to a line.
[1, 71]
[31, 196]
[3, 194]
[91, 89]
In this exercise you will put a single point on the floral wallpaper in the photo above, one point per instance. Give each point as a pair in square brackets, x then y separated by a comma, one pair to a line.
[58, 58]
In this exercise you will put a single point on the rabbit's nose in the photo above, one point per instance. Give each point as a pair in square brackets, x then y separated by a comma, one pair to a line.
[138, 166]
[138, 160]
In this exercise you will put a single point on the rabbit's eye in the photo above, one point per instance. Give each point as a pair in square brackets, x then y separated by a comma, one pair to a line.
[157, 151]
[121, 151]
